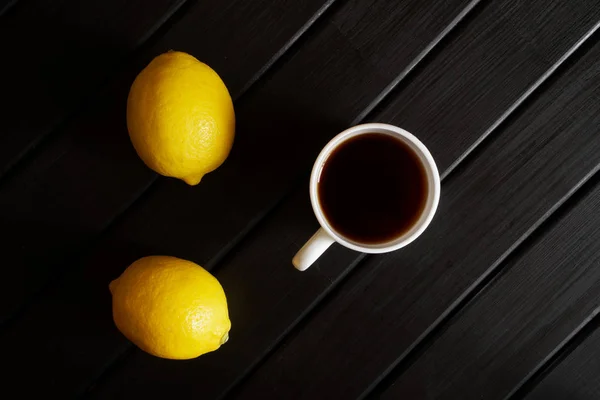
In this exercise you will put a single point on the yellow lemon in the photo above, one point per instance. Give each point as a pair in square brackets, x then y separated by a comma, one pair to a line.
[180, 117]
[170, 308]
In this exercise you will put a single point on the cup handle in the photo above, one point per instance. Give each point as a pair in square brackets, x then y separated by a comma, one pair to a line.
[312, 250]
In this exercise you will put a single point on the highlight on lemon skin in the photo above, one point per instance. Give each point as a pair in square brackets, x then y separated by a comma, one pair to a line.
[180, 117]
[170, 308]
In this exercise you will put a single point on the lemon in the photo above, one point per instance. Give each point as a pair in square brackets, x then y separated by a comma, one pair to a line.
[180, 117]
[170, 308]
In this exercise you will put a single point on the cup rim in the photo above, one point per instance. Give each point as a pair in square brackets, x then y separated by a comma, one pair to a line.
[433, 179]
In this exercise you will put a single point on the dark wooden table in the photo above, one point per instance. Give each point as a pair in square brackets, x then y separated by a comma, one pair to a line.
[498, 299]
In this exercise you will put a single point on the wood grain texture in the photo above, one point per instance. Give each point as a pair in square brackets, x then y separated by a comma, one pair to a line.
[298, 100]
[56, 52]
[508, 329]
[81, 180]
[390, 301]
[577, 376]
[259, 268]
[459, 96]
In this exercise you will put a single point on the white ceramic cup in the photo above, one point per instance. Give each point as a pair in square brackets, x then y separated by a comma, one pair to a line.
[326, 235]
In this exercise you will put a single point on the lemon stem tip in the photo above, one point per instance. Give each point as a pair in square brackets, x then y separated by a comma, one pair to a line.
[193, 180]
[225, 338]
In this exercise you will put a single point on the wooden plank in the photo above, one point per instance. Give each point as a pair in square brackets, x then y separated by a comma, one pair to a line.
[80, 181]
[297, 100]
[577, 376]
[391, 302]
[56, 53]
[258, 276]
[508, 330]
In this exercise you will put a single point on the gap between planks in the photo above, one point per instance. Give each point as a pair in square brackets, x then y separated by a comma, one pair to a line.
[582, 331]
[433, 331]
